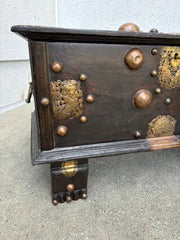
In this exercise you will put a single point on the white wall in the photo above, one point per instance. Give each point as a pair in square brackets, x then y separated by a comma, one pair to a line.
[110, 14]
[14, 58]
[88, 14]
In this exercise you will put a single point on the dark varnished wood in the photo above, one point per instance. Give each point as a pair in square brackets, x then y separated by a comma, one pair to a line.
[94, 36]
[40, 75]
[60, 183]
[112, 116]
[95, 150]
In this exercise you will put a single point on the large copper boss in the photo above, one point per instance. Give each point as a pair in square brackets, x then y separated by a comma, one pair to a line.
[134, 58]
[142, 98]
[129, 27]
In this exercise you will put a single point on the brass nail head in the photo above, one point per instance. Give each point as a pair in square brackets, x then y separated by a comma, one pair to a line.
[137, 134]
[62, 131]
[90, 98]
[84, 195]
[45, 101]
[142, 98]
[134, 58]
[167, 101]
[157, 91]
[153, 73]
[83, 77]
[55, 202]
[154, 51]
[68, 199]
[83, 119]
[153, 30]
[70, 187]
[57, 67]
[129, 27]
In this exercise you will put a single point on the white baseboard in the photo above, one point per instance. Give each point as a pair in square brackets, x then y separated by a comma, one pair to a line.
[12, 106]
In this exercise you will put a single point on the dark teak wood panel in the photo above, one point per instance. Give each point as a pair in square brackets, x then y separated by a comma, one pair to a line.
[112, 116]
[41, 89]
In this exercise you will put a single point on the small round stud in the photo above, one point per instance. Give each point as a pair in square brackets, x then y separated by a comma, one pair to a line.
[57, 67]
[84, 196]
[45, 101]
[62, 131]
[167, 101]
[68, 199]
[134, 58]
[83, 77]
[129, 27]
[153, 73]
[154, 51]
[157, 91]
[90, 98]
[153, 30]
[137, 134]
[142, 98]
[83, 119]
[55, 202]
[70, 187]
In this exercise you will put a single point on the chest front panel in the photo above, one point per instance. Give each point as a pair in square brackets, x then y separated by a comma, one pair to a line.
[107, 99]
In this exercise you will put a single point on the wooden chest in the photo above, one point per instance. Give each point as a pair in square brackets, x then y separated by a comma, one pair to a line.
[100, 93]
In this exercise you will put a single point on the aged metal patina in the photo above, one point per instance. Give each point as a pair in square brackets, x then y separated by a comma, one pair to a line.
[90, 98]
[57, 67]
[142, 98]
[70, 187]
[69, 168]
[157, 90]
[61, 131]
[129, 27]
[134, 58]
[169, 68]
[83, 77]
[66, 99]
[162, 125]
[45, 101]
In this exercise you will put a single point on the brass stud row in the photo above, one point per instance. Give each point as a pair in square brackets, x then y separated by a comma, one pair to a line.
[57, 67]
[69, 199]
[83, 77]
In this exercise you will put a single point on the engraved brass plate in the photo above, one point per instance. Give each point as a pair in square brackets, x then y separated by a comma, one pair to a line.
[169, 68]
[66, 99]
[69, 168]
[161, 126]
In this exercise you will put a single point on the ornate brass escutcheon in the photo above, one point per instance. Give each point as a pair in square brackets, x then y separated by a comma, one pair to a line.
[162, 125]
[69, 168]
[169, 68]
[66, 99]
